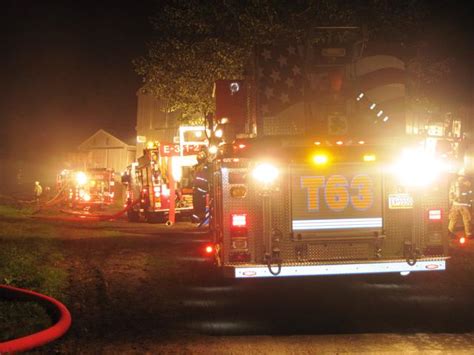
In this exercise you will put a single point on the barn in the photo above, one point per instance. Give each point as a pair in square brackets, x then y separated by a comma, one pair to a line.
[104, 150]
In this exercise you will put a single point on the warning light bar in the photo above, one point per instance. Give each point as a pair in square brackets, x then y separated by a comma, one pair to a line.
[238, 220]
[369, 157]
[320, 159]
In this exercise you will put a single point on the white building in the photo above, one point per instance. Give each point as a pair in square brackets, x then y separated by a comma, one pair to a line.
[104, 150]
[155, 121]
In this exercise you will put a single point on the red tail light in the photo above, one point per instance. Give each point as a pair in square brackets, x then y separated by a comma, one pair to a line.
[462, 240]
[209, 249]
[239, 220]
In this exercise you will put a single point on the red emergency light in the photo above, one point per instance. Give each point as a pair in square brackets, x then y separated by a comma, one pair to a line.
[239, 220]
[239, 145]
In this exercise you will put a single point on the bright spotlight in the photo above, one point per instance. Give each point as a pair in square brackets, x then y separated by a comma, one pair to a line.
[416, 168]
[81, 178]
[265, 173]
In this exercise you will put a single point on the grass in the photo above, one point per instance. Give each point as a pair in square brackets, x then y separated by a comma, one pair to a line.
[30, 264]
[29, 258]
[18, 319]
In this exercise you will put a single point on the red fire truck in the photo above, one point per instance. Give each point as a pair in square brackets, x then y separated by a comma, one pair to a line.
[328, 176]
[93, 188]
[150, 180]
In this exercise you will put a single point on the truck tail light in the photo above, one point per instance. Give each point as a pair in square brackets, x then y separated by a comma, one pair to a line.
[435, 215]
[238, 225]
[462, 240]
[209, 249]
[238, 221]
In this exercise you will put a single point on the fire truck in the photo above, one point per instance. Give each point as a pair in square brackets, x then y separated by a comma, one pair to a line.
[163, 171]
[93, 188]
[326, 175]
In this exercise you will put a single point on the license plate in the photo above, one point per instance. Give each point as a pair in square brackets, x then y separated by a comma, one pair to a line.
[400, 201]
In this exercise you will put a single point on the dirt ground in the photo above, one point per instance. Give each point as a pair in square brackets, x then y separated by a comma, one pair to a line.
[136, 288]
[147, 289]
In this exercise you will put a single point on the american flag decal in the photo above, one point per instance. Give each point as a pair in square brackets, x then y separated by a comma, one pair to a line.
[381, 76]
[281, 80]
[299, 92]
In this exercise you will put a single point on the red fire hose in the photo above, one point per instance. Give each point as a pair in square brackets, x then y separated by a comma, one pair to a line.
[91, 217]
[43, 337]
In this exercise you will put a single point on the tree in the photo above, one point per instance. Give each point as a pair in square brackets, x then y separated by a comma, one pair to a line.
[198, 42]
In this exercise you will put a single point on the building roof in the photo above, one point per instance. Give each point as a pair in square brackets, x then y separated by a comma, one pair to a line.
[103, 139]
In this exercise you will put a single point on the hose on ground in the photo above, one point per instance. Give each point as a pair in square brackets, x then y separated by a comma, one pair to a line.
[45, 336]
[91, 217]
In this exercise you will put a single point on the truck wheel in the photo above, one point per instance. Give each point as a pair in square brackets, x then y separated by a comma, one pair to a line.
[133, 216]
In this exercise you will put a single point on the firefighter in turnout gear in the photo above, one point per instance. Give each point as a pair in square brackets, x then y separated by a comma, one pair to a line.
[38, 191]
[200, 187]
[461, 205]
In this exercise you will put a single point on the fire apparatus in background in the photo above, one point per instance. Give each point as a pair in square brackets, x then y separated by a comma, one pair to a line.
[149, 180]
[93, 188]
[327, 176]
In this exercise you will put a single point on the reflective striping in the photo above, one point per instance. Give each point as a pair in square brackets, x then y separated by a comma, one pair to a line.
[342, 223]
[341, 269]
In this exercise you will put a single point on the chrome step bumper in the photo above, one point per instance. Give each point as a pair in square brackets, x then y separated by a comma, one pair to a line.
[353, 268]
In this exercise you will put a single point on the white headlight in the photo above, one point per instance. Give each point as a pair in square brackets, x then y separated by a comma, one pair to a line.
[81, 178]
[265, 173]
[416, 168]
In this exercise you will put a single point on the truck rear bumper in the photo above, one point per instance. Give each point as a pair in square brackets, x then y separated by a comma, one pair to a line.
[375, 267]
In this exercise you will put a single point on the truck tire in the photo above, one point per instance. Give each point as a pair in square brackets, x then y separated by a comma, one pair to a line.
[133, 216]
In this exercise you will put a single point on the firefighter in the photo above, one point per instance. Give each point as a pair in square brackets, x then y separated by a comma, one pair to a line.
[461, 205]
[38, 191]
[200, 187]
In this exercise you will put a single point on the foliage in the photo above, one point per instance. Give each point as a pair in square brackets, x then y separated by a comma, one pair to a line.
[424, 71]
[198, 42]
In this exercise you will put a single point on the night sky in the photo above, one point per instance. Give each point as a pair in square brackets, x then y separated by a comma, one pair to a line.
[66, 71]
[66, 68]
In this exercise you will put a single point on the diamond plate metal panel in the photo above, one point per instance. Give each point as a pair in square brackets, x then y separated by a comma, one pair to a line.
[340, 251]
[250, 205]
[410, 225]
